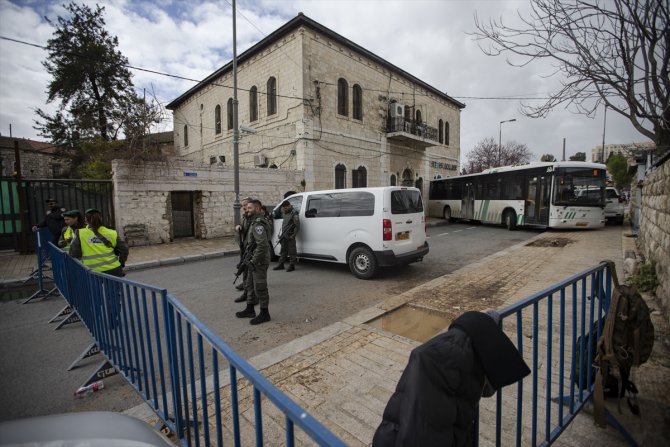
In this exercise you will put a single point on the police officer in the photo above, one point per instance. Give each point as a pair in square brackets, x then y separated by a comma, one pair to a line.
[53, 220]
[240, 232]
[256, 284]
[74, 221]
[289, 230]
[97, 246]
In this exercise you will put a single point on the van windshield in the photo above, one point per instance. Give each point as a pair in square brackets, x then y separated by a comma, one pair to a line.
[406, 202]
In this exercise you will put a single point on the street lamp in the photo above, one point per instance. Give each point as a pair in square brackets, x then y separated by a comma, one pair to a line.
[500, 138]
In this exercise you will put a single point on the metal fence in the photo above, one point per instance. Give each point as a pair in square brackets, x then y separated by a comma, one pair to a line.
[177, 364]
[551, 329]
[15, 223]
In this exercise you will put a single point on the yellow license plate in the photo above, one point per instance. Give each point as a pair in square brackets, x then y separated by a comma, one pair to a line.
[402, 236]
[582, 224]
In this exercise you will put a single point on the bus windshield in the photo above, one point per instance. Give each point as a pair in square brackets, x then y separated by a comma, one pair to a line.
[577, 186]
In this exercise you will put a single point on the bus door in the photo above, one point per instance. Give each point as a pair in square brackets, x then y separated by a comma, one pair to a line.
[468, 201]
[538, 189]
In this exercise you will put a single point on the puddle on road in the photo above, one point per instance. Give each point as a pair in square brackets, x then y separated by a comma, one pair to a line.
[417, 324]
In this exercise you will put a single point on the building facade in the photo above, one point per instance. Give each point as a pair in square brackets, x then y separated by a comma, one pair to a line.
[309, 100]
[39, 160]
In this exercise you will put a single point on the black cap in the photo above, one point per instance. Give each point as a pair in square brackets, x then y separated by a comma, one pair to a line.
[72, 213]
[51, 199]
[93, 211]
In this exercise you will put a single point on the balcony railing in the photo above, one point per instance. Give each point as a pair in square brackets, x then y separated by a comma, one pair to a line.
[421, 130]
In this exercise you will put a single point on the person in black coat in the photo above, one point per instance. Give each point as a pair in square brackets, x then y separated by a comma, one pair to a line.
[436, 399]
[53, 220]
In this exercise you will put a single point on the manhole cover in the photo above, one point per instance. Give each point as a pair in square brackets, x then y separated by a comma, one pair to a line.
[554, 242]
[411, 322]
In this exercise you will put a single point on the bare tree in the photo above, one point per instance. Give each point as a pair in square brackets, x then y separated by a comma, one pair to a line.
[487, 154]
[607, 52]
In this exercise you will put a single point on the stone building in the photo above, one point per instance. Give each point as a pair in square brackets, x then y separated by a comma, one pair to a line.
[600, 153]
[39, 160]
[314, 102]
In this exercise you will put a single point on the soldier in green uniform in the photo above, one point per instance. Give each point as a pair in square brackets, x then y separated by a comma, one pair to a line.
[240, 233]
[256, 284]
[289, 230]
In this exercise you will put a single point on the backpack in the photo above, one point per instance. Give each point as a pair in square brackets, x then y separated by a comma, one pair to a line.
[626, 340]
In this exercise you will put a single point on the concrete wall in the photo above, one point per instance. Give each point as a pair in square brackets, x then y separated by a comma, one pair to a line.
[654, 233]
[143, 205]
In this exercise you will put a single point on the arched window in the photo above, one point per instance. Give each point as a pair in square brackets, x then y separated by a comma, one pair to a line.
[271, 90]
[342, 97]
[185, 135]
[340, 176]
[359, 177]
[357, 98]
[441, 132]
[408, 113]
[394, 180]
[217, 119]
[253, 103]
[417, 115]
[229, 112]
[446, 133]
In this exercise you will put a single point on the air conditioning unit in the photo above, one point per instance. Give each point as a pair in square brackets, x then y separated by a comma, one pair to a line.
[260, 160]
[396, 110]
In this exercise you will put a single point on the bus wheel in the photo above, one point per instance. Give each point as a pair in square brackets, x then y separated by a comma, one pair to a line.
[362, 263]
[510, 220]
[447, 214]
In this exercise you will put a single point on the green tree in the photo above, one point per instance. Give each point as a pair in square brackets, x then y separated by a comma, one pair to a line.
[579, 156]
[548, 157]
[606, 52]
[617, 165]
[94, 89]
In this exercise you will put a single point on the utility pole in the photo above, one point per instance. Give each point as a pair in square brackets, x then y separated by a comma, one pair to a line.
[602, 152]
[563, 159]
[236, 130]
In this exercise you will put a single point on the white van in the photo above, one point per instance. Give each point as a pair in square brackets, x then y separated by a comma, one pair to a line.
[365, 228]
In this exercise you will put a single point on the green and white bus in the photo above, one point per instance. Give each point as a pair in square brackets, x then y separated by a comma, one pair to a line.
[539, 194]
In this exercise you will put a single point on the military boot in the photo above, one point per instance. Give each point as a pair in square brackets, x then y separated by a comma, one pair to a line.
[262, 317]
[290, 268]
[249, 312]
[279, 266]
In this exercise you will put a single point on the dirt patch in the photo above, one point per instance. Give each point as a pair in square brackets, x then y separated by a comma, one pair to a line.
[553, 242]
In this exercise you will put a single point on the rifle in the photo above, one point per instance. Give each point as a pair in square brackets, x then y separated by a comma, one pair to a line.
[284, 234]
[246, 258]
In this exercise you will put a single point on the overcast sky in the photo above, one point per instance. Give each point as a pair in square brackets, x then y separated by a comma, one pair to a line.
[425, 38]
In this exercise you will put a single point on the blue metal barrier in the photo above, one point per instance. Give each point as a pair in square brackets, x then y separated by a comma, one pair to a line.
[42, 239]
[176, 363]
[558, 320]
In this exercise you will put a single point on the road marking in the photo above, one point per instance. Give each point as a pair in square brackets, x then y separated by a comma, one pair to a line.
[471, 228]
[443, 234]
[457, 231]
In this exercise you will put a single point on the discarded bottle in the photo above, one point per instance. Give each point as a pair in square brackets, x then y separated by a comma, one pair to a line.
[92, 388]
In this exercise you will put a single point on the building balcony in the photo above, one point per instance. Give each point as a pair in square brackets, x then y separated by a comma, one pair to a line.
[409, 133]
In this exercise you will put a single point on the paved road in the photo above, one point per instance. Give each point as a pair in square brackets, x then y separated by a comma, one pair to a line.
[33, 358]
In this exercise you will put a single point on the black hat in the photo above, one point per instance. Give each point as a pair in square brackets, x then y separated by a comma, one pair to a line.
[72, 213]
[51, 199]
[93, 211]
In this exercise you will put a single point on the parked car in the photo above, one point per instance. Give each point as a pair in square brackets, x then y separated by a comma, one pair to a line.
[614, 202]
[365, 228]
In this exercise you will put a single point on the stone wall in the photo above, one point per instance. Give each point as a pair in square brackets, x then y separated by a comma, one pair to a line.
[654, 234]
[143, 204]
[34, 164]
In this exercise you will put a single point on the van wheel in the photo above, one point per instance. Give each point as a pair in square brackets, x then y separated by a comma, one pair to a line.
[362, 263]
[509, 219]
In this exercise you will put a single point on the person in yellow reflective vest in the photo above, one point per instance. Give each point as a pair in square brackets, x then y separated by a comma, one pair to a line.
[99, 248]
[73, 221]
